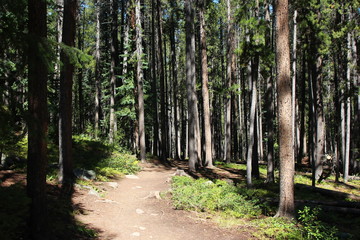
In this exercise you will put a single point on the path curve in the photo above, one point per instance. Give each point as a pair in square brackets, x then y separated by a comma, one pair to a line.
[127, 212]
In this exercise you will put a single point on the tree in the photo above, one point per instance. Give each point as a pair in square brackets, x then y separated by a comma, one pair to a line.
[38, 119]
[191, 83]
[154, 84]
[140, 81]
[229, 73]
[113, 67]
[161, 72]
[97, 70]
[286, 204]
[205, 87]
[65, 106]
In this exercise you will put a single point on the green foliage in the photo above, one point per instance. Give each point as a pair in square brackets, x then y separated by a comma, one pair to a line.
[313, 228]
[204, 195]
[117, 165]
[103, 158]
[12, 141]
[276, 228]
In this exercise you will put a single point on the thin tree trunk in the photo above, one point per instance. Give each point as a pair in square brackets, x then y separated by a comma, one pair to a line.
[66, 176]
[175, 88]
[191, 83]
[80, 77]
[302, 145]
[97, 69]
[113, 65]
[320, 122]
[293, 84]
[252, 130]
[229, 74]
[163, 113]
[348, 111]
[140, 81]
[38, 120]
[286, 203]
[205, 89]
[154, 84]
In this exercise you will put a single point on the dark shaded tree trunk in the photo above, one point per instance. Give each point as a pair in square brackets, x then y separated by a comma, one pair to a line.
[38, 120]
[140, 81]
[154, 78]
[175, 86]
[161, 73]
[66, 175]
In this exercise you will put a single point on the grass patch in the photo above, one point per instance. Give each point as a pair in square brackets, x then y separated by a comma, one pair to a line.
[91, 154]
[276, 228]
[206, 196]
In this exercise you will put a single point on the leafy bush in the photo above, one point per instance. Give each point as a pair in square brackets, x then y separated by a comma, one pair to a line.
[204, 195]
[313, 228]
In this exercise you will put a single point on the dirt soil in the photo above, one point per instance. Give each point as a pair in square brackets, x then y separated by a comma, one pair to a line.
[130, 210]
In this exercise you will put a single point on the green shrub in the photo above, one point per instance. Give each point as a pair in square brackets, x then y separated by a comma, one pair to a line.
[313, 228]
[122, 162]
[276, 228]
[204, 195]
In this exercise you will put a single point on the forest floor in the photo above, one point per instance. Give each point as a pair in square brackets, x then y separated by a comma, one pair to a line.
[131, 209]
[139, 206]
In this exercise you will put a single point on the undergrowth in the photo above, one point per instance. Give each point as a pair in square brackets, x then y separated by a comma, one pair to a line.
[238, 206]
[205, 195]
[105, 159]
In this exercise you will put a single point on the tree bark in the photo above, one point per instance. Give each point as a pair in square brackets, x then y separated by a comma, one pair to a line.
[191, 83]
[252, 131]
[140, 81]
[175, 83]
[97, 70]
[320, 122]
[38, 119]
[286, 203]
[113, 65]
[205, 88]
[161, 73]
[154, 82]
[229, 74]
[293, 100]
[66, 175]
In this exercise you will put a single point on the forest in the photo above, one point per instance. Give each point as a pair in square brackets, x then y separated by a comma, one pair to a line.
[266, 91]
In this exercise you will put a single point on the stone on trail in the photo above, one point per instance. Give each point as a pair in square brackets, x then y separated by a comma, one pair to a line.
[153, 194]
[113, 184]
[180, 172]
[131, 176]
[139, 211]
[84, 174]
[106, 201]
[135, 234]
[93, 192]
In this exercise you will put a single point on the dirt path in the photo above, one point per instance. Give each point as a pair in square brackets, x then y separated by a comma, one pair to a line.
[126, 212]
